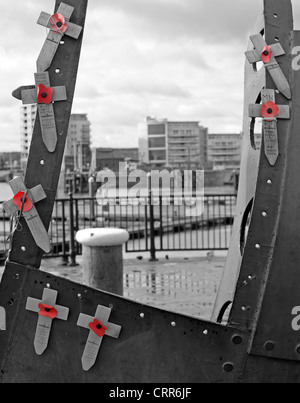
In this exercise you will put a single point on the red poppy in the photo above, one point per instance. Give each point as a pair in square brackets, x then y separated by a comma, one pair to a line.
[44, 94]
[47, 311]
[18, 201]
[98, 328]
[58, 23]
[269, 111]
[266, 54]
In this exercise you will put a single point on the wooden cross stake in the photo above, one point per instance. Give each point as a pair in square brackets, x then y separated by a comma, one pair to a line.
[267, 54]
[270, 112]
[31, 216]
[43, 95]
[47, 310]
[98, 326]
[58, 29]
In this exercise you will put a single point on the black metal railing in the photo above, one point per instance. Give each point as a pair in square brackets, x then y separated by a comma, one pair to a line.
[161, 225]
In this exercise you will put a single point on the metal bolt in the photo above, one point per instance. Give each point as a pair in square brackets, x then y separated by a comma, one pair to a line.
[270, 346]
[237, 340]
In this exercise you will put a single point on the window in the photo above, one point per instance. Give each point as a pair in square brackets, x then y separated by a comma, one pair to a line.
[156, 130]
[159, 155]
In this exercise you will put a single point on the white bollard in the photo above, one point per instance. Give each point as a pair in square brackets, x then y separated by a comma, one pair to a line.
[103, 258]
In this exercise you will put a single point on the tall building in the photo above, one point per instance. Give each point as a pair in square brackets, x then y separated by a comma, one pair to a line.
[178, 145]
[27, 119]
[78, 146]
[224, 151]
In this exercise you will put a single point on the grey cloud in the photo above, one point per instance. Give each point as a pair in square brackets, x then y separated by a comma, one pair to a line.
[148, 86]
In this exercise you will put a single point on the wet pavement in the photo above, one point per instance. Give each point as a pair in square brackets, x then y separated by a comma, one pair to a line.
[186, 283]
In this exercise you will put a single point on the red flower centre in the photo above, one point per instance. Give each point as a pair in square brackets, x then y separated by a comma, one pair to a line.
[19, 201]
[58, 23]
[269, 110]
[47, 311]
[98, 328]
[266, 54]
[44, 94]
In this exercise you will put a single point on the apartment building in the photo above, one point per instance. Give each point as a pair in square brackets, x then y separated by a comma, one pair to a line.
[178, 145]
[224, 151]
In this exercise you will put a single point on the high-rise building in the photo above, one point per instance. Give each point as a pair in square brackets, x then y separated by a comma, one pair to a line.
[78, 146]
[224, 151]
[178, 145]
[27, 115]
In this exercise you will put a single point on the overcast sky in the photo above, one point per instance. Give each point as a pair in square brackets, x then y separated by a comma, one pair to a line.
[175, 59]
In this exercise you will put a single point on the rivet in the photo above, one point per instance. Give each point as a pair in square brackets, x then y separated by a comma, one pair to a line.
[173, 324]
[298, 349]
[269, 346]
[142, 315]
[237, 340]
